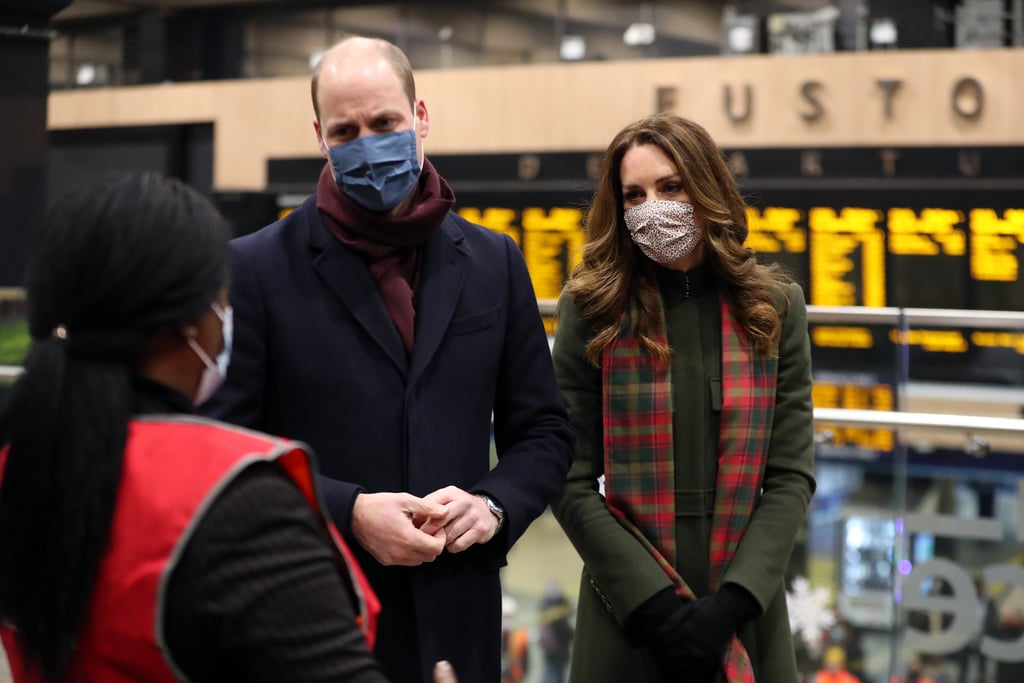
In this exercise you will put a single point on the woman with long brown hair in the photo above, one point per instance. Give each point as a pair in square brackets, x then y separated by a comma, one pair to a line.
[685, 365]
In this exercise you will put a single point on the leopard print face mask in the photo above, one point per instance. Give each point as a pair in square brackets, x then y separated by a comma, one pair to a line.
[664, 230]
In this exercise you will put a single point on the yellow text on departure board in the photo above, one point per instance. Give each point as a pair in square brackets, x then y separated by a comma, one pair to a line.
[842, 337]
[494, 218]
[551, 240]
[847, 251]
[936, 341]
[776, 231]
[835, 239]
[856, 395]
[934, 232]
[994, 243]
[999, 339]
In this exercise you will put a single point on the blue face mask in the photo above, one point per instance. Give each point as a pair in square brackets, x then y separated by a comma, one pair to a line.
[377, 171]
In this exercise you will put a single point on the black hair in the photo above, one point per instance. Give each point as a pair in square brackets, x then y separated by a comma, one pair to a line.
[116, 259]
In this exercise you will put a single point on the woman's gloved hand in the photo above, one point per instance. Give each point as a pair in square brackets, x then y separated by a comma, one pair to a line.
[658, 625]
[690, 637]
[712, 622]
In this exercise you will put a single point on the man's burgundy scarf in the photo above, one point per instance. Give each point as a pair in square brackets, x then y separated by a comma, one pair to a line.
[390, 244]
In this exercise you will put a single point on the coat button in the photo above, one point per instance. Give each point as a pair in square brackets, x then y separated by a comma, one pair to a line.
[600, 594]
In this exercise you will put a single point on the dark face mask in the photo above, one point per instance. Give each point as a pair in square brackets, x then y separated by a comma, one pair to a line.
[377, 171]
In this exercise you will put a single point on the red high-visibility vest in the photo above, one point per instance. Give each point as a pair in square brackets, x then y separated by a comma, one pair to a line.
[174, 468]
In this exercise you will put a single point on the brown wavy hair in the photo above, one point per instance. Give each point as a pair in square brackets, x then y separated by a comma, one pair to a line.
[614, 272]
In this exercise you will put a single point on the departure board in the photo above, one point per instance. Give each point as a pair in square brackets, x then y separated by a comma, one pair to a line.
[858, 231]
[861, 253]
[923, 244]
[997, 247]
[854, 391]
[921, 228]
[551, 239]
[847, 256]
[922, 249]
[778, 234]
[550, 234]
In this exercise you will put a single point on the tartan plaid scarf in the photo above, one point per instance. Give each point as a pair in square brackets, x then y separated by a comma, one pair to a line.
[639, 458]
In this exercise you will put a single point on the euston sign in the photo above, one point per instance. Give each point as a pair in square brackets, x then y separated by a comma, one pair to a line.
[966, 99]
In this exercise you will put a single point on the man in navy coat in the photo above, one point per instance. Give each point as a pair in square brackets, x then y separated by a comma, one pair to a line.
[386, 332]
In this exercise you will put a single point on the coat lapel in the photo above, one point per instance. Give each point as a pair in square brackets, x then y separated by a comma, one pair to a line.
[443, 272]
[345, 274]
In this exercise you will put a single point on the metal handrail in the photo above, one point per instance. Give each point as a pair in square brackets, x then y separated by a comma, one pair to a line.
[938, 421]
[886, 419]
[873, 418]
[914, 317]
[917, 317]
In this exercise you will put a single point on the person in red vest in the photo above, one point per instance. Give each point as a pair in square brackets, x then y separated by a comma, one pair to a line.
[139, 542]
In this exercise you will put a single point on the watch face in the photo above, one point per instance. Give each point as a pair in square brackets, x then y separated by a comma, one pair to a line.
[495, 509]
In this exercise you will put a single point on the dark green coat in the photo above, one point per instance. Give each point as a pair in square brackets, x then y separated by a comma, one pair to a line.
[619, 574]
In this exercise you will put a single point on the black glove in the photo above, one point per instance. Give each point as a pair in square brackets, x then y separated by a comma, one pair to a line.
[658, 625]
[712, 622]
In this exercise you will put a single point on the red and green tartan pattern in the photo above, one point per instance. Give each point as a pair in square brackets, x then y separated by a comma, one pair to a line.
[748, 408]
[639, 458]
[637, 418]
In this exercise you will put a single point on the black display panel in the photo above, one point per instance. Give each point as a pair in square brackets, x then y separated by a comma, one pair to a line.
[926, 249]
[913, 227]
[920, 249]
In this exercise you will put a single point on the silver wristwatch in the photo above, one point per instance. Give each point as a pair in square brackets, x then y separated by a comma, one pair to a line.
[495, 510]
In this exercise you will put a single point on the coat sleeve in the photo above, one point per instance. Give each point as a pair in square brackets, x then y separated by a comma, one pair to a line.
[763, 553]
[532, 433]
[615, 559]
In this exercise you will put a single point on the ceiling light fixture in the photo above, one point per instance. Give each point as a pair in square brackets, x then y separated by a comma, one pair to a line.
[639, 33]
[572, 48]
